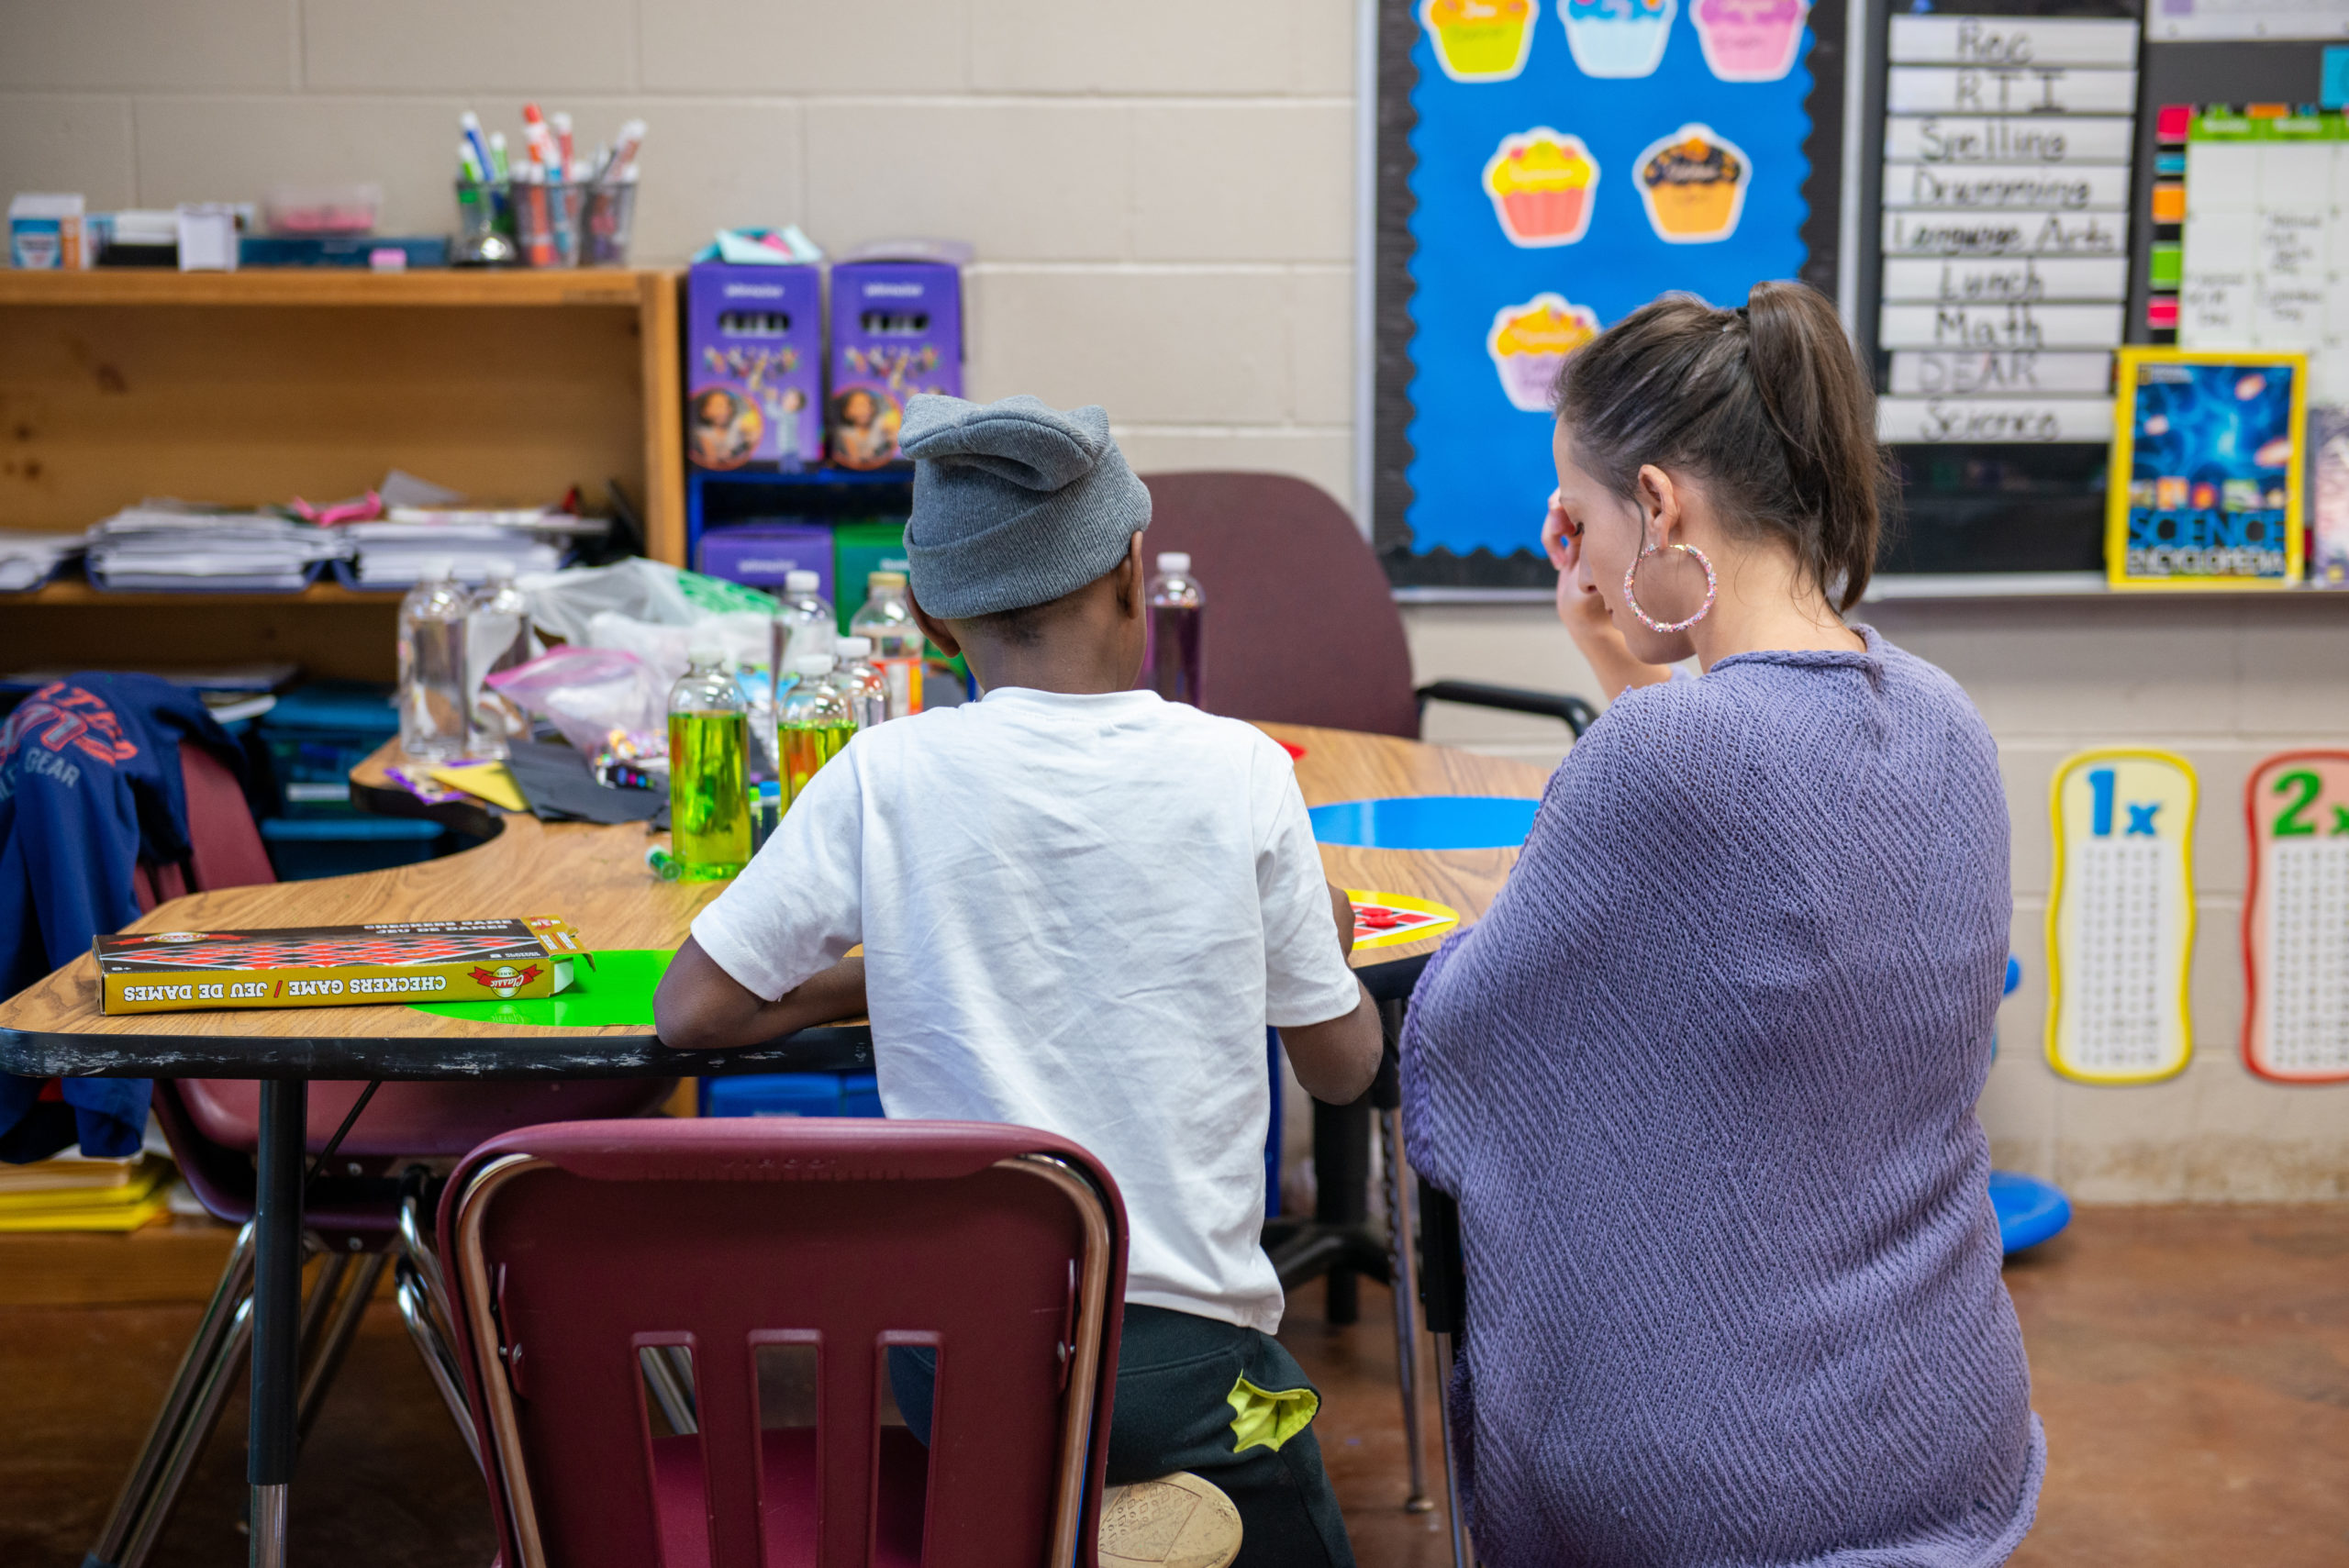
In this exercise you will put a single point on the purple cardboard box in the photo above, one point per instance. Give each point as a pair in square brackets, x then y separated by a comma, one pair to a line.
[759, 555]
[754, 359]
[896, 330]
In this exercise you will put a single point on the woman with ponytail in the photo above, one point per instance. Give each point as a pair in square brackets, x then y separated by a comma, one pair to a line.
[1703, 1078]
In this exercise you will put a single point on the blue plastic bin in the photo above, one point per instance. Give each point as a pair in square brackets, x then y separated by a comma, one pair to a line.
[302, 848]
[792, 1094]
[315, 735]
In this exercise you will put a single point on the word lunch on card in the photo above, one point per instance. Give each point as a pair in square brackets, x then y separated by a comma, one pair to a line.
[2120, 916]
[2296, 918]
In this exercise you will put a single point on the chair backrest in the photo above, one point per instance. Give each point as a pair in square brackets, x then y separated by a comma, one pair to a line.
[674, 1337]
[1301, 625]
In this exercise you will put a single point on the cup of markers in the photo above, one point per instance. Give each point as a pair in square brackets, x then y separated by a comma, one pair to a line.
[551, 208]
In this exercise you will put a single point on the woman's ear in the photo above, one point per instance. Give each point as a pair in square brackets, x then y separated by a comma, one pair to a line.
[1662, 506]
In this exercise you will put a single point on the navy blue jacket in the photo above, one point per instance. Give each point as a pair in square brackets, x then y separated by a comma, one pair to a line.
[89, 785]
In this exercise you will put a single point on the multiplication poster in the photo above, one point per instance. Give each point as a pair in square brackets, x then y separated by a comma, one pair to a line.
[2296, 918]
[2120, 916]
[1570, 161]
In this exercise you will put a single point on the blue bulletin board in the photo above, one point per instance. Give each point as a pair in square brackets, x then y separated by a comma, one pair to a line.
[1546, 167]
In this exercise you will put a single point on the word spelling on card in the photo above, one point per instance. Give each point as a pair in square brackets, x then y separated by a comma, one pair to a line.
[2296, 918]
[2121, 919]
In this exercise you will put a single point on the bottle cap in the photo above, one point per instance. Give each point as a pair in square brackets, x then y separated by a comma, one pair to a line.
[812, 664]
[435, 568]
[706, 650]
[799, 580]
[499, 570]
[885, 579]
[1174, 560]
[855, 647]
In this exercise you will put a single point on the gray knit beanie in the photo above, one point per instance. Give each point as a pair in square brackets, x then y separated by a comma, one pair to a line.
[1015, 503]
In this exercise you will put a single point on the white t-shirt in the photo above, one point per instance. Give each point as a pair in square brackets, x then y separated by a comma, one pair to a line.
[1078, 914]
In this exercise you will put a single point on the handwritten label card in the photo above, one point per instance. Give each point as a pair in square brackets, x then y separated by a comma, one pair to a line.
[2120, 916]
[2006, 147]
[2296, 918]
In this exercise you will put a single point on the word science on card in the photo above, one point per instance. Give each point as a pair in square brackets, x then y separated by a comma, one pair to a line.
[2296, 918]
[2120, 916]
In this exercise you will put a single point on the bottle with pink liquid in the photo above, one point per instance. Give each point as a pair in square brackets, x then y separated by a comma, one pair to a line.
[1171, 668]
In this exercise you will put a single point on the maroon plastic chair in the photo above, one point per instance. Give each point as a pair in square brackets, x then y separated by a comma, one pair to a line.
[1300, 625]
[674, 1337]
[365, 1214]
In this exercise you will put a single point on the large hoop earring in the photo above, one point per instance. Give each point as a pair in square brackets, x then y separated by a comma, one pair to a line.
[1650, 621]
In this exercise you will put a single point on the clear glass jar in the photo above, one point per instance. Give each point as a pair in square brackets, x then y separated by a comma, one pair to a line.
[710, 775]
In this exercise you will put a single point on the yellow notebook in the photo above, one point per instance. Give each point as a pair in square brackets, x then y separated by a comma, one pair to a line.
[494, 781]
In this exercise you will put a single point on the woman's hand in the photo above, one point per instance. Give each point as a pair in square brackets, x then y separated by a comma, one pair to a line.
[1586, 615]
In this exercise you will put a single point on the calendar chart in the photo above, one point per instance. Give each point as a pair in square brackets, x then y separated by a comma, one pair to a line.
[2296, 918]
[2120, 916]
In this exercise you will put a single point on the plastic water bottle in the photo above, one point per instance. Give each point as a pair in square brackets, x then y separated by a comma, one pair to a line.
[709, 778]
[433, 726]
[497, 636]
[816, 723]
[887, 619]
[1175, 605]
[864, 686]
[804, 624]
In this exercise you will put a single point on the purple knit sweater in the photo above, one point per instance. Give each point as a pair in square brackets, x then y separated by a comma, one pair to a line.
[1703, 1082]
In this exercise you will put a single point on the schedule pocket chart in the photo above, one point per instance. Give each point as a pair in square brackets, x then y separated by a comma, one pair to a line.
[2120, 916]
[2006, 155]
[2296, 918]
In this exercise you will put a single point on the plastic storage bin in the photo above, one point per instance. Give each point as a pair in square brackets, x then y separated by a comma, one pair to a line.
[793, 1094]
[314, 735]
[303, 848]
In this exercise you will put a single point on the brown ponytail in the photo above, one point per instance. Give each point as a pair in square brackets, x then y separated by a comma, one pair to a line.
[1766, 405]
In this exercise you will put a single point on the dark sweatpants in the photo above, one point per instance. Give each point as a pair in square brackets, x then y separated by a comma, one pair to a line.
[1176, 1376]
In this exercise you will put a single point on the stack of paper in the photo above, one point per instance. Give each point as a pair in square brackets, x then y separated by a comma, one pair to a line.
[27, 559]
[167, 546]
[391, 554]
[71, 1193]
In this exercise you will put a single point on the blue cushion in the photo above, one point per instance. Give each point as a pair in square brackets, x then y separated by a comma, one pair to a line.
[2030, 1210]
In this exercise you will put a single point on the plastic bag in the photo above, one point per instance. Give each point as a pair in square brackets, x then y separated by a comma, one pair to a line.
[563, 603]
[745, 636]
[588, 693]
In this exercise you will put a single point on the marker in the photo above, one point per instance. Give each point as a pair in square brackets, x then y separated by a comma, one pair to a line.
[497, 155]
[466, 166]
[562, 123]
[663, 864]
[471, 122]
[624, 151]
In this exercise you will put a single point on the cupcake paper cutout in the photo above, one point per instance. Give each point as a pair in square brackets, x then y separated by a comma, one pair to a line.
[1480, 40]
[1749, 41]
[1693, 185]
[1618, 38]
[1530, 341]
[1542, 185]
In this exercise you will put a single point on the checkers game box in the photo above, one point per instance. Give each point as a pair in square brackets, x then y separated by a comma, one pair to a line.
[336, 966]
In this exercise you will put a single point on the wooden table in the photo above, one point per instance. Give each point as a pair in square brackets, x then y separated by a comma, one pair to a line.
[596, 876]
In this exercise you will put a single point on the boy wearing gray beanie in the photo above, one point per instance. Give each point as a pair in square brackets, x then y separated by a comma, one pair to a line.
[1080, 907]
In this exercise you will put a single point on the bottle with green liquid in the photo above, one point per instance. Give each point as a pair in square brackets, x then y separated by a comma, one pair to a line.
[709, 784]
[816, 723]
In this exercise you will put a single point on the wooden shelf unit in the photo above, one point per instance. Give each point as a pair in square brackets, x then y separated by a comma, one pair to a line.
[254, 387]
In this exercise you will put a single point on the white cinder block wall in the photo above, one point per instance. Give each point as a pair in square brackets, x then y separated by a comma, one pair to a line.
[1162, 201]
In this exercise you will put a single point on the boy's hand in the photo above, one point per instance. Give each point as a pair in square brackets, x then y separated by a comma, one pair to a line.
[1341, 909]
[699, 1007]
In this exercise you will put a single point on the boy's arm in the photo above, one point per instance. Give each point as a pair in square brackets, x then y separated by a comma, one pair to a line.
[699, 1007]
[1335, 1061]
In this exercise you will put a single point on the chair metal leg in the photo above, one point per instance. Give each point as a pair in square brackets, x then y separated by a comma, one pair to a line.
[139, 1487]
[203, 1414]
[669, 1377]
[416, 1245]
[321, 1296]
[1404, 1271]
[438, 1359]
[1464, 1550]
[339, 1329]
